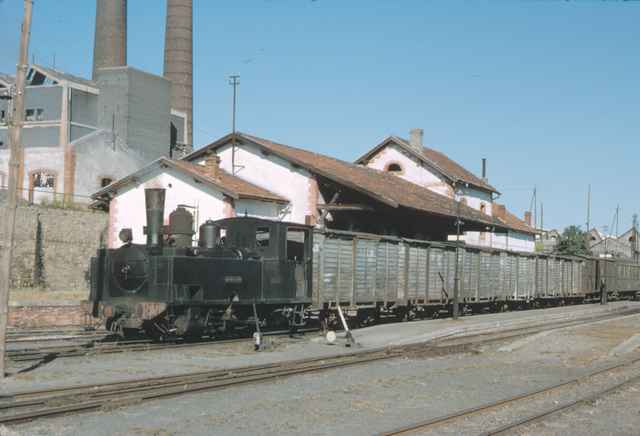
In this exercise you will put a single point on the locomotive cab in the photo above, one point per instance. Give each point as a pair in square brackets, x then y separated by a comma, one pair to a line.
[285, 251]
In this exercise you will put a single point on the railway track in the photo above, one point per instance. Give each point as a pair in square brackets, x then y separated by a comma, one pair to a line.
[55, 337]
[434, 423]
[26, 406]
[95, 347]
[113, 347]
[563, 407]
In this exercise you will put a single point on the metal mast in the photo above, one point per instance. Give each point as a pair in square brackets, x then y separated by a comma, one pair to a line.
[234, 82]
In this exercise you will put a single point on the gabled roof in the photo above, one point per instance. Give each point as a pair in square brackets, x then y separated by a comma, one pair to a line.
[7, 80]
[434, 159]
[379, 185]
[60, 76]
[229, 185]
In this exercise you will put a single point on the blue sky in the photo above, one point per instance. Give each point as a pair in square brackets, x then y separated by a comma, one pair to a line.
[547, 91]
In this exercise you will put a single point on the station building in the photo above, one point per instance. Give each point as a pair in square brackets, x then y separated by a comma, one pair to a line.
[294, 185]
[433, 170]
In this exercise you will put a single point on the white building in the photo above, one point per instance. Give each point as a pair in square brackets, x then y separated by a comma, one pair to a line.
[433, 170]
[206, 190]
[297, 186]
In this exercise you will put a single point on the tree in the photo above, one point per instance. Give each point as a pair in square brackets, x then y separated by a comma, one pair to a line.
[573, 242]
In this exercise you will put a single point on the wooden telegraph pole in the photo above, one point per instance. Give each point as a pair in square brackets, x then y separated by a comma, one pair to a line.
[16, 120]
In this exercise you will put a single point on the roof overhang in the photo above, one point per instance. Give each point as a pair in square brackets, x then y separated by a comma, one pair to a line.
[240, 137]
[65, 79]
[108, 192]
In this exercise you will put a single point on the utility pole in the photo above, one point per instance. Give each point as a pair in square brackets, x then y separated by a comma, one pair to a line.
[535, 207]
[234, 81]
[541, 216]
[16, 120]
[635, 237]
[456, 277]
[589, 209]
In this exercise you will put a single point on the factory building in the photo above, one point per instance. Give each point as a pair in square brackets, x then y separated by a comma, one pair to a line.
[80, 135]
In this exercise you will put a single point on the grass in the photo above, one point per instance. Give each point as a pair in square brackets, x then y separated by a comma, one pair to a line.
[35, 294]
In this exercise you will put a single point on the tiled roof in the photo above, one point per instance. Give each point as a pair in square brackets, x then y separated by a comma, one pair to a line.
[380, 185]
[436, 159]
[243, 188]
[225, 182]
[516, 223]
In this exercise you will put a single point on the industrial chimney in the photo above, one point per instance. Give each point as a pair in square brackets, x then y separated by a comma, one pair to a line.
[110, 45]
[178, 58]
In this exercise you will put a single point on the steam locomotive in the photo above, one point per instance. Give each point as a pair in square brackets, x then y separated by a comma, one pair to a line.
[247, 274]
[243, 274]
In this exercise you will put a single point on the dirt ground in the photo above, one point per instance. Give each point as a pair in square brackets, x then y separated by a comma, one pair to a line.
[377, 397]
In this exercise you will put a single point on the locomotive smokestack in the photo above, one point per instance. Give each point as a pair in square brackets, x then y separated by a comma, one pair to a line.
[110, 45]
[154, 201]
[178, 59]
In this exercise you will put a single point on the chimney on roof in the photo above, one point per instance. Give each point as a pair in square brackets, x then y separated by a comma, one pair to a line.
[110, 44]
[527, 218]
[484, 169]
[212, 166]
[178, 59]
[499, 211]
[416, 137]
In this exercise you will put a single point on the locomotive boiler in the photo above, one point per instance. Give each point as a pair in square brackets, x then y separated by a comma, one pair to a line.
[243, 273]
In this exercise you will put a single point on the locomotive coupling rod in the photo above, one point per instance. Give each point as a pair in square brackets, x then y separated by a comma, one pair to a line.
[350, 339]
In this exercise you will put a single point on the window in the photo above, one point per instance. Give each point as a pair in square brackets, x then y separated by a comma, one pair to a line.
[105, 181]
[394, 168]
[296, 242]
[43, 179]
[3, 116]
[30, 115]
[262, 237]
[42, 186]
[39, 114]
[3, 180]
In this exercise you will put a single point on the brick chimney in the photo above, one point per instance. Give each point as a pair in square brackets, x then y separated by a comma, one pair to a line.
[212, 166]
[416, 137]
[499, 211]
[527, 218]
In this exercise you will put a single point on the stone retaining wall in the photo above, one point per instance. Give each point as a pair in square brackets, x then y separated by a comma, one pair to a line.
[53, 247]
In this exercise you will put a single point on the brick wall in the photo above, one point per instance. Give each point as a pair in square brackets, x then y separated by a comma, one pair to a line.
[53, 247]
[34, 314]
